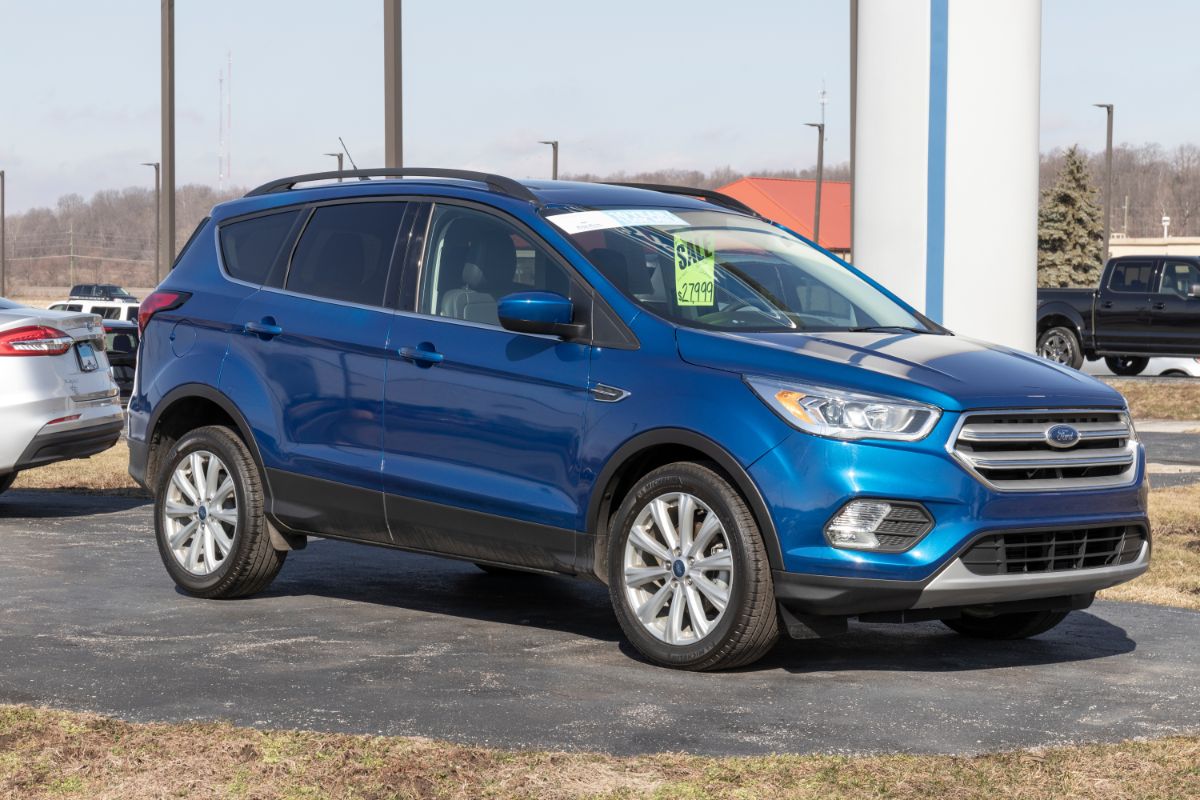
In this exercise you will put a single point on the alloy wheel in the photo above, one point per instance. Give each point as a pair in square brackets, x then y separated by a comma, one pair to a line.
[678, 568]
[1056, 348]
[200, 515]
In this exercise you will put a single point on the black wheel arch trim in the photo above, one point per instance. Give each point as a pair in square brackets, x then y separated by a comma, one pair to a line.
[206, 392]
[1072, 315]
[599, 502]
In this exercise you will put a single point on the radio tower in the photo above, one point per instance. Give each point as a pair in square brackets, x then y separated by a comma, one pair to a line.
[225, 123]
[221, 131]
[229, 117]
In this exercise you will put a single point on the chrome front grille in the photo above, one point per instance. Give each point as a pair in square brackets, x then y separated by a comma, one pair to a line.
[1015, 451]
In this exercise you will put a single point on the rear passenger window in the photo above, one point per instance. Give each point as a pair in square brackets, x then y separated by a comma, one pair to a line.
[1132, 276]
[251, 246]
[345, 251]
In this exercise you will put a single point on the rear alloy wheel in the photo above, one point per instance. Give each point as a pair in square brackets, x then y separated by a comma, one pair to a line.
[688, 572]
[1126, 365]
[1021, 625]
[1061, 346]
[6, 481]
[212, 534]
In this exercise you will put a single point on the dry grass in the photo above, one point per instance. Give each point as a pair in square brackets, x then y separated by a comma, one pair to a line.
[1174, 575]
[106, 472]
[1165, 399]
[52, 754]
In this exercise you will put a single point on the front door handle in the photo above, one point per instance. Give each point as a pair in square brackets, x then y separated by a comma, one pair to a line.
[267, 328]
[1159, 306]
[423, 355]
[1107, 304]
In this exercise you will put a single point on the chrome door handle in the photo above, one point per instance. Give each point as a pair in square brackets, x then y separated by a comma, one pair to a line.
[420, 355]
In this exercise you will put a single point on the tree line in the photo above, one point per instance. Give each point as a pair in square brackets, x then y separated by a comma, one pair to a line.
[109, 237]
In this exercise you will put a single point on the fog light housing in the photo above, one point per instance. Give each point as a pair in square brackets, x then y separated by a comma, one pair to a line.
[885, 526]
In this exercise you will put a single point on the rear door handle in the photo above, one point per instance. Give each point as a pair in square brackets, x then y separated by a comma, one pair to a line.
[1107, 304]
[266, 328]
[1159, 306]
[421, 355]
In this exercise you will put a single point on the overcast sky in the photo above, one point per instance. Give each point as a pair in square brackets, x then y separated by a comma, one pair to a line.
[624, 84]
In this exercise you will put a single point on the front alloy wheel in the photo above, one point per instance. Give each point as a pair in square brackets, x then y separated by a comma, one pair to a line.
[688, 571]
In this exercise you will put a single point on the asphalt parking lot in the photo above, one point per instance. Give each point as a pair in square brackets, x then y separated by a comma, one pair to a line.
[359, 639]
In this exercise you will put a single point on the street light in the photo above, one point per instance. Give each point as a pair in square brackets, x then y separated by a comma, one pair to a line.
[157, 219]
[820, 126]
[3, 243]
[554, 163]
[338, 156]
[1108, 175]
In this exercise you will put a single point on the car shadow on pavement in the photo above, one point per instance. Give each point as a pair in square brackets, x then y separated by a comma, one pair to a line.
[580, 607]
[47, 503]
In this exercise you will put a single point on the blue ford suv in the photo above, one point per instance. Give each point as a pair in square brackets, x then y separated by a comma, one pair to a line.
[645, 385]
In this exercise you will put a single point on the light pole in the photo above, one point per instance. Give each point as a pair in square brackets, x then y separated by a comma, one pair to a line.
[820, 126]
[1108, 108]
[338, 156]
[554, 158]
[3, 243]
[393, 86]
[167, 79]
[157, 226]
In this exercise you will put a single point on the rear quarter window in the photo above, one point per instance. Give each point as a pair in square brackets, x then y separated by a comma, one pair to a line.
[250, 248]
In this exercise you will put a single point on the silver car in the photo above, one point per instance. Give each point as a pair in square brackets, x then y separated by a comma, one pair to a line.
[57, 395]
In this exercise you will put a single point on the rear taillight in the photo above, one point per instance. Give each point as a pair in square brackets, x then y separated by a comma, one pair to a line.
[159, 301]
[34, 340]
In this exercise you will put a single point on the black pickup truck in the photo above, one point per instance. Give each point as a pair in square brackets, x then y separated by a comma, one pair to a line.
[1145, 306]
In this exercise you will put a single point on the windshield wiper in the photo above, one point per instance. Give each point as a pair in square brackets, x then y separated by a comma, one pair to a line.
[889, 329]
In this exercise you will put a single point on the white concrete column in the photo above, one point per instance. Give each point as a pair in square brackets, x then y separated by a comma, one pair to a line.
[946, 159]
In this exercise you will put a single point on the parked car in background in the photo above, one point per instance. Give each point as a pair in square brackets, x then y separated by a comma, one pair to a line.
[1145, 306]
[121, 346]
[1160, 367]
[106, 309]
[101, 291]
[736, 432]
[59, 399]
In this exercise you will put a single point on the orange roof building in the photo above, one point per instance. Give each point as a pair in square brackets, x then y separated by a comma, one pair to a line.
[790, 203]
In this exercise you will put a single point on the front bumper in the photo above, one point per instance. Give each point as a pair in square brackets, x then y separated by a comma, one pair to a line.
[807, 479]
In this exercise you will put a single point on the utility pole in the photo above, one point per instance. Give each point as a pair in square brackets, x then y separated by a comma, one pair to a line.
[554, 158]
[3, 243]
[71, 257]
[393, 86]
[1125, 224]
[1108, 177]
[820, 126]
[157, 222]
[338, 156]
[166, 215]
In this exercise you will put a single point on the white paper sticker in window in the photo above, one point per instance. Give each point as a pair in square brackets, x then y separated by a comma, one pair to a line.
[583, 221]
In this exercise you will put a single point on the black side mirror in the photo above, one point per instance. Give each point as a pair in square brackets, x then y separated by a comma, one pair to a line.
[540, 312]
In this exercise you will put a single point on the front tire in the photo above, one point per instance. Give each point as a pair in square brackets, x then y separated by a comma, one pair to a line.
[1126, 366]
[1021, 625]
[208, 517]
[1061, 346]
[688, 572]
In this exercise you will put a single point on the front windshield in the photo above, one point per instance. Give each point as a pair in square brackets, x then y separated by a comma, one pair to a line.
[727, 271]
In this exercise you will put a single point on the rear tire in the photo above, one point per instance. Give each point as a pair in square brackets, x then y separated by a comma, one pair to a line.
[227, 553]
[1021, 625]
[696, 554]
[6, 481]
[1061, 346]
[1126, 366]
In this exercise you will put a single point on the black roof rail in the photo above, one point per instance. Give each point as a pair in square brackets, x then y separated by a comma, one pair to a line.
[497, 183]
[716, 198]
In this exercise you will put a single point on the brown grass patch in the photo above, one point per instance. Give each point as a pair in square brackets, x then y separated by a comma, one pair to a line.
[1165, 399]
[1174, 575]
[106, 472]
[49, 754]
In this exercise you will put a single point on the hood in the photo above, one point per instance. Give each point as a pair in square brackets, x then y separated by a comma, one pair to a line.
[951, 372]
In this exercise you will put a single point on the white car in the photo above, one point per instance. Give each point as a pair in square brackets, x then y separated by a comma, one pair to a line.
[59, 399]
[1160, 367]
[108, 309]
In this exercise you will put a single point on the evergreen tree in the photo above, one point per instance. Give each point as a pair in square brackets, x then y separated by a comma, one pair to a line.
[1070, 228]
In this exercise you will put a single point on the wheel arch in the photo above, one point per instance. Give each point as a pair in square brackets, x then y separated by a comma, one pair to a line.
[1054, 315]
[652, 449]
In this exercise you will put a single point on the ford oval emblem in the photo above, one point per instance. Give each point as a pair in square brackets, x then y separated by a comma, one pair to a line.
[1062, 436]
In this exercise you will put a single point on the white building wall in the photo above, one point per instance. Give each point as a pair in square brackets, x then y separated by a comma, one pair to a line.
[891, 144]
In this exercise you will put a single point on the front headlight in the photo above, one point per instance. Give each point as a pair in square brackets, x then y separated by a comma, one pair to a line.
[826, 411]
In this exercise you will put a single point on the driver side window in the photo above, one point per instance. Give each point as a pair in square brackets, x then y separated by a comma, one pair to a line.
[473, 259]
